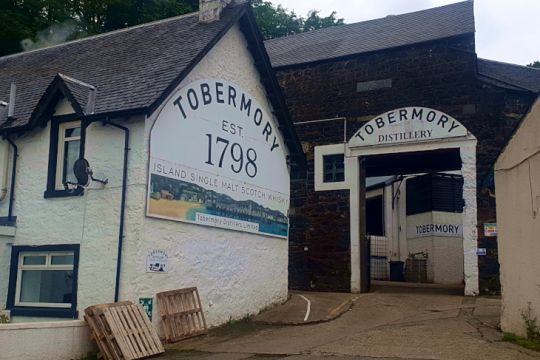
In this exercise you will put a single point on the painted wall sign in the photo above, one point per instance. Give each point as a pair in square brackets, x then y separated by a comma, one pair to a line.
[157, 261]
[490, 229]
[481, 251]
[216, 159]
[148, 306]
[448, 230]
[410, 124]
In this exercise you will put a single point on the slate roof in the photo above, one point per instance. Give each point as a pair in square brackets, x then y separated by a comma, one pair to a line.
[516, 76]
[389, 32]
[130, 68]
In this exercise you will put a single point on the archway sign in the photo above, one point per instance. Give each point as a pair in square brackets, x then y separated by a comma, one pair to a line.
[406, 125]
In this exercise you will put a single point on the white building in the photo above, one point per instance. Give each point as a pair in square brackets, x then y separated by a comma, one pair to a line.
[517, 176]
[185, 121]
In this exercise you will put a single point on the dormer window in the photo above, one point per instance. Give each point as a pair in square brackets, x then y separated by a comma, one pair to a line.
[66, 146]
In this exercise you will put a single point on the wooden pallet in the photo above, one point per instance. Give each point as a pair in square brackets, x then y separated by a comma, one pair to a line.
[182, 314]
[122, 331]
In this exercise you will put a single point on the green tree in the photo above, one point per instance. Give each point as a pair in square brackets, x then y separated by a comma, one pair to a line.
[276, 21]
[314, 21]
[30, 24]
[23, 19]
[535, 64]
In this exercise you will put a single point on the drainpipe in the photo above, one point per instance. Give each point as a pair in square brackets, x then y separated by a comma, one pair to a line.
[122, 206]
[13, 176]
[5, 166]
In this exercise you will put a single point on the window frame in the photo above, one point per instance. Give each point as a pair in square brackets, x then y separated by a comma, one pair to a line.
[41, 309]
[60, 153]
[47, 267]
[59, 124]
[332, 149]
[334, 172]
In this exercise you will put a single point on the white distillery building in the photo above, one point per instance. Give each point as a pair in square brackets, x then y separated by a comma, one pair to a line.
[190, 143]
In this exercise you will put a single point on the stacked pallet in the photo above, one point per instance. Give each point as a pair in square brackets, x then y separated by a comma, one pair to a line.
[122, 331]
[182, 314]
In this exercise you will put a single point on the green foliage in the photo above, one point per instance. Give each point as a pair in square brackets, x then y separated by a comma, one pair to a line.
[532, 341]
[31, 24]
[534, 64]
[276, 21]
[521, 341]
[4, 319]
[314, 21]
[531, 325]
[246, 319]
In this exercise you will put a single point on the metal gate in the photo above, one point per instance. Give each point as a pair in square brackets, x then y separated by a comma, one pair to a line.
[378, 257]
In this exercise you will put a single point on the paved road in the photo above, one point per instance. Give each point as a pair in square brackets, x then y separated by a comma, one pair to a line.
[195, 355]
[387, 324]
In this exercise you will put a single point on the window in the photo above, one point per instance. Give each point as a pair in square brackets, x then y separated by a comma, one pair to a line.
[334, 168]
[43, 280]
[65, 148]
[69, 146]
[435, 192]
[329, 168]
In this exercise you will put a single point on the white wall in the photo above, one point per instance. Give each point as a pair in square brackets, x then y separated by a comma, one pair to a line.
[237, 273]
[517, 179]
[62, 340]
[90, 220]
[445, 262]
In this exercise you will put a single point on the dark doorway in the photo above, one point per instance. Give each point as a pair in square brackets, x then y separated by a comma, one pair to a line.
[420, 173]
[375, 216]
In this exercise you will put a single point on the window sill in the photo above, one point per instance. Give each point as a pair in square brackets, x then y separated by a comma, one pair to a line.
[44, 312]
[62, 193]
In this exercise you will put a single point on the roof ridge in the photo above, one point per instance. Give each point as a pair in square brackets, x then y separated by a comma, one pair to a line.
[512, 64]
[367, 21]
[96, 36]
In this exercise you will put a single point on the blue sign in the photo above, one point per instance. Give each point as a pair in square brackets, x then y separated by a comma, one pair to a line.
[481, 252]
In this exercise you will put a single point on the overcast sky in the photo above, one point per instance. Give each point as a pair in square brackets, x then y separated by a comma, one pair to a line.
[506, 30]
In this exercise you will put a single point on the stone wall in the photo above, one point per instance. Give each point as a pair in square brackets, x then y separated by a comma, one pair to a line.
[439, 75]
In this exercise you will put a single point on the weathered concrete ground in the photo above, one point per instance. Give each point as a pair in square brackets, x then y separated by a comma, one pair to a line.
[390, 323]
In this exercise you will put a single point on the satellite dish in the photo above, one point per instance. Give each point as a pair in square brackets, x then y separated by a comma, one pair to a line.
[82, 172]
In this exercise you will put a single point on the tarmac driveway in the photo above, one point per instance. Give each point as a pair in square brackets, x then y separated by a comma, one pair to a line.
[390, 323]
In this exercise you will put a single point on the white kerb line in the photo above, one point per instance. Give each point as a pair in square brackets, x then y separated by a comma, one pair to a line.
[308, 307]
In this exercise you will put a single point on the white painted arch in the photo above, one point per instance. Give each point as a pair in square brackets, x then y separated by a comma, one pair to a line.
[413, 129]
